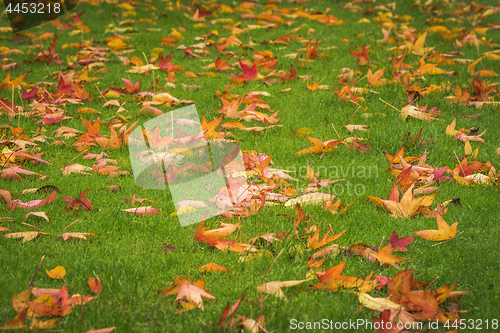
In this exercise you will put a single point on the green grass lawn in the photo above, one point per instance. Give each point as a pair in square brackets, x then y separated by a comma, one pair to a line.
[136, 256]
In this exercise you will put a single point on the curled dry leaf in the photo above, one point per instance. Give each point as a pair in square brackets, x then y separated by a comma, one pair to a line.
[76, 168]
[352, 128]
[214, 236]
[274, 288]
[80, 235]
[101, 330]
[310, 198]
[95, 284]
[413, 111]
[213, 267]
[25, 235]
[378, 303]
[5, 195]
[57, 273]
[33, 203]
[39, 214]
[148, 210]
[233, 246]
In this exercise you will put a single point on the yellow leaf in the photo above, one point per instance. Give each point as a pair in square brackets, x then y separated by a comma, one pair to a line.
[312, 87]
[468, 148]
[125, 6]
[57, 273]
[364, 20]
[136, 61]
[117, 44]
[385, 256]
[378, 303]
[444, 231]
[439, 29]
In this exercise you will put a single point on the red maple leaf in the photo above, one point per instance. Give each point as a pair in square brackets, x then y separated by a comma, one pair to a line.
[362, 57]
[288, 77]
[398, 244]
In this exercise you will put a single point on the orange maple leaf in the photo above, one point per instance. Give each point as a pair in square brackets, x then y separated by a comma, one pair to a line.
[385, 256]
[319, 146]
[213, 236]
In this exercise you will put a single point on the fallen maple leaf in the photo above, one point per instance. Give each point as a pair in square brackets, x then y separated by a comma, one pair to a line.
[319, 146]
[18, 322]
[398, 244]
[332, 280]
[362, 57]
[409, 206]
[384, 256]
[314, 242]
[192, 294]
[74, 204]
[444, 231]
[230, 312]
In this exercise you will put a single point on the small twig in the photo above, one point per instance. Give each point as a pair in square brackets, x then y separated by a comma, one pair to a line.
[48, 70]
[389, 104]
[74, 158]
[271, 266]
[33, 279]
[382, 242]
[260, 161]
[135, 211]
[430, 284]
[463, 172]
[81, 314]
[30, 226]
[153, 84]
[100, 92]
[125, 163]
[336, 131]
[326, 136]
[352, 114]
[69, 225]
[446, 241]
